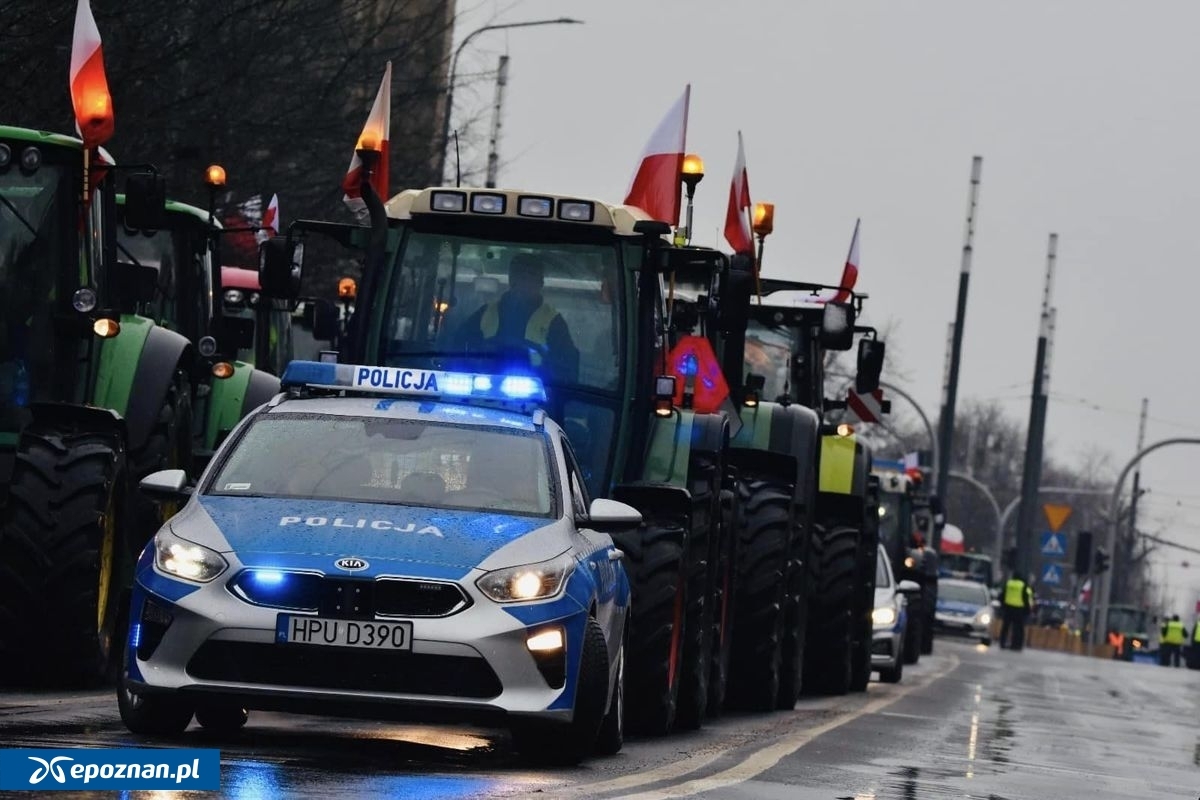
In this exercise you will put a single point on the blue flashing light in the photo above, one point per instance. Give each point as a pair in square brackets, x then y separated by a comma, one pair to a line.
[135, 635]
[413, 382]
[521, 387]
[267, 577]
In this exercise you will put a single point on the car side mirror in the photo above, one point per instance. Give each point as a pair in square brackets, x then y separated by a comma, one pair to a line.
[908, 587]
[837, 326]
[870, 365]
[280, 261]
[146, 201]
[166, 485]
[610, 516]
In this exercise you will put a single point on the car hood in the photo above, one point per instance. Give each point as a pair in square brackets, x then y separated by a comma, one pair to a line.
[312, 534]
[958, 607]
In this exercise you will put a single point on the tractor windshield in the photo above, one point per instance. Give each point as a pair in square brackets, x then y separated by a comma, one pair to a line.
[768, 352]
[39, 264]
[495, 305]
[1124, 619]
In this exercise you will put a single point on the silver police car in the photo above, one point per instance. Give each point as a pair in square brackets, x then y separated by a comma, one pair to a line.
[390, 543]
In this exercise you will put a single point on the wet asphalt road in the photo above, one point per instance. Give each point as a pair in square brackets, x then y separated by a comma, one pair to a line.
[966, 722]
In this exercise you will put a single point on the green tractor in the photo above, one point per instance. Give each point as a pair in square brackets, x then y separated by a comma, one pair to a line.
[93, 395]
[181, 254]
[808, 541]
[437, 263]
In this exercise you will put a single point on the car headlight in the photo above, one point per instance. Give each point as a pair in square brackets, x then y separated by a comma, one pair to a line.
[984, 618]
[528, 581]
[883, 616]
[184, 559]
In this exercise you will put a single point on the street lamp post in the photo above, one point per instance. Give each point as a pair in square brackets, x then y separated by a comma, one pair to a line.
[454, 71]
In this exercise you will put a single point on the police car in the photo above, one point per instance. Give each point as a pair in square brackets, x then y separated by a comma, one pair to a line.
[386, 542]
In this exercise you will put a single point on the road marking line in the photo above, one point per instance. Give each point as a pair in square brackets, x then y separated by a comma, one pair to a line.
[974, 736]
[762, 760]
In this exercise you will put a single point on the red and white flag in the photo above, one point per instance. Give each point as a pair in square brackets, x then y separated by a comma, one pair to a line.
[849, 272]
[656, 183]
[739, 231]
[270, 221]
[374, 136]
[89, 86]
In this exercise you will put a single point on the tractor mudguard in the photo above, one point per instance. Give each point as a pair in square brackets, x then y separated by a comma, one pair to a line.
[157, 364]
[63, 416]
[655, 499]
[226, 403]
[668, 455]
[780, 467]
[709, 450]
[260, 389]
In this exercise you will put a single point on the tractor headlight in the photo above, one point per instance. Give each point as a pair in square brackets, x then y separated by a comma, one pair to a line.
[527, 582]
[883, 617]
[183, 559]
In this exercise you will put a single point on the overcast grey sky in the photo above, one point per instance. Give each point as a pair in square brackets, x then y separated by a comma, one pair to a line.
[1085, 113]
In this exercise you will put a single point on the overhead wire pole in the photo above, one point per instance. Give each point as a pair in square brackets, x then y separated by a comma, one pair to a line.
[1031, 476]
[946, 423]
[493, 160]
[1137, 476]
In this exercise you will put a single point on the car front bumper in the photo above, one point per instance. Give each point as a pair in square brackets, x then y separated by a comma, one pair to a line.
[472, 665]
[961, 626]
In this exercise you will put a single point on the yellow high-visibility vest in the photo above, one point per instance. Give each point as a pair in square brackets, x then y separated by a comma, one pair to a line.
[1014, 593]
[537, 329]
[1173, 633]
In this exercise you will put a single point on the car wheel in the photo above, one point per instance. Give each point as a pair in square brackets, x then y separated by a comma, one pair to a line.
[894, 674]
[151, 714]
[986, 641]
[221, 717]
[568, 744]
[612, 729]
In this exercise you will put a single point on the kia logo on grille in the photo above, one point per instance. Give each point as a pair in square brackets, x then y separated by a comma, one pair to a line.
[351, 564]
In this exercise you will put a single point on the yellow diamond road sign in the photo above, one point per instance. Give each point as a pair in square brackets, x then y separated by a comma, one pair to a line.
[1056, 515]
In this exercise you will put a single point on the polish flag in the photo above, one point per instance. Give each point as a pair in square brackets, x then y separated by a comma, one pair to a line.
[270, 221]
[374, 136]
[738, 230]
[655, 186]
[849, 272]
[89, 87]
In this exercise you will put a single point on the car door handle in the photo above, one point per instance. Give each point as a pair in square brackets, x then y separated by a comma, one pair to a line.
[615, 554]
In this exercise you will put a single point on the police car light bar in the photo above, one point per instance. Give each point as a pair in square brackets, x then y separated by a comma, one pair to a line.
[413, 382]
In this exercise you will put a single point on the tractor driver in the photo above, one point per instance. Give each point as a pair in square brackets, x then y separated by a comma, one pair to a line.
[522, 319]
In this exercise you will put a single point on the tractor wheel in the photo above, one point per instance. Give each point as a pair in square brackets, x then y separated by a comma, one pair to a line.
[911, 643]
[828, 662]
[655, 562]
[927, 630]
[795, 628]
[761, 591]
[698, 624]
[169, 446]
[723, 610]
[59, 550]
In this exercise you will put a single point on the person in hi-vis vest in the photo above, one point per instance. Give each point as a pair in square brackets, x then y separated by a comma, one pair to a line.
[1016, 603]
[1170, 648]
[522, 320]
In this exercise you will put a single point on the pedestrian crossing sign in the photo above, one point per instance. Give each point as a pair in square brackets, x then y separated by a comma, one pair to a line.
[1054, 545]
[1052, 575]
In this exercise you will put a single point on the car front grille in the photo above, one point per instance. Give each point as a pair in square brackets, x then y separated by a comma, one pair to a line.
[350, 669]
[350, 598]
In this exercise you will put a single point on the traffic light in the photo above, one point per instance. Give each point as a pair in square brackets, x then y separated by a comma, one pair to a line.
[1101, 562]
[1083, 552]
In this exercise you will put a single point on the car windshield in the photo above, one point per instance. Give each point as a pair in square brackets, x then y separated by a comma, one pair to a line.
[488, 303]
[387, 460]
[965, 566]
[960, 593]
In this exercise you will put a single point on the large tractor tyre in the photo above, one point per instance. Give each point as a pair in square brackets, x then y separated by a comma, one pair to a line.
[795, 629]
[169, 446]
[655, 561]
[59, 567]
[569, 743]
[761, 592]
[829, 650]
[911, 643]
[860, 675]
[723, 608]
[698, 625]
[927, 629]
